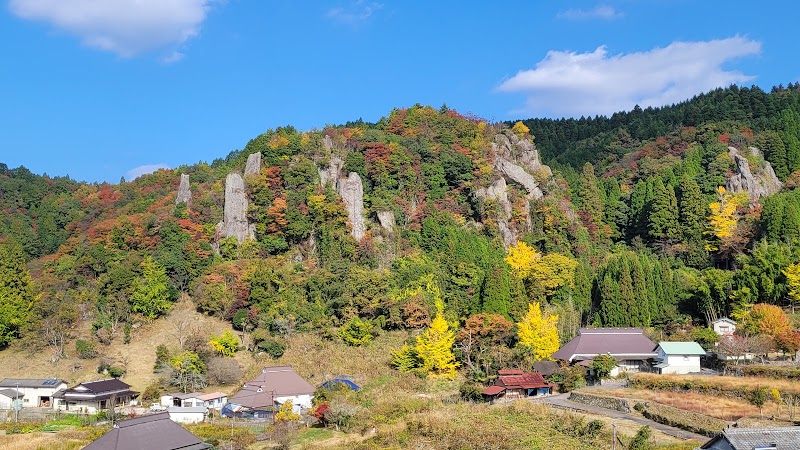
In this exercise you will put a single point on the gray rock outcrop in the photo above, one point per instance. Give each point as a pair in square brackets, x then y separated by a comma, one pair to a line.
[253, 166]
[234, 216]
[757, 183]
[352, 192]
[386, 219]
[497, 191]
[184, 192]
[332, 173]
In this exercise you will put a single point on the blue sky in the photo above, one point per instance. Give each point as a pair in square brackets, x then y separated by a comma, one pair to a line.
[99, 90]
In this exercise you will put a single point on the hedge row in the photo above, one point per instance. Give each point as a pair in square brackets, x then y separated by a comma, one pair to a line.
[679, 418]
[783, 372]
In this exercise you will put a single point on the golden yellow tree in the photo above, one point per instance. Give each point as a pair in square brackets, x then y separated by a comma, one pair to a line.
[520, 129]
[723, 219]
[792, 274]
[548, 272]
[434, 347]
[538, 333]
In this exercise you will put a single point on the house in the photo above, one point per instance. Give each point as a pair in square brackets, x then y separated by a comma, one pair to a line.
[724, 326]
[546, 368]
[678, 357]
[188, 414]
[32, 392]
[8, 397]
[514, 383]
[782, 438]
[273, 387]
[213, 400]
[93, 396]
[629, 346]
[153, 432]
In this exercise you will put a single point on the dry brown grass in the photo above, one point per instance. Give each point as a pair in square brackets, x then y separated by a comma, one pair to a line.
[730, 384]
[41, 441]
[139, 353]
[724, 408]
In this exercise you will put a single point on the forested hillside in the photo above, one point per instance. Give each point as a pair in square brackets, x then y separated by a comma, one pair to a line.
[430, 219]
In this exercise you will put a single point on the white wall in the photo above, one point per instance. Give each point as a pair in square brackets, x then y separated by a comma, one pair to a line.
[680, 364]
[187, 417]
[300, 402]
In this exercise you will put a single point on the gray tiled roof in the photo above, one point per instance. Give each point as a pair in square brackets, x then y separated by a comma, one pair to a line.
[783, 438]
[622, 343]
[30, 382]
[152, 432]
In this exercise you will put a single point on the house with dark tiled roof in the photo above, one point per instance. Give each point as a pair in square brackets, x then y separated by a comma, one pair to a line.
[514, 383]
[29, 392]
[629, 346]
[779, 438]
[153, 432]
[93, 396]
[273, 387]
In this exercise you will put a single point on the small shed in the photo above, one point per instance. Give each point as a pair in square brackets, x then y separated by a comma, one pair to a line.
[679, 357]
[514, 383]
[724, 326]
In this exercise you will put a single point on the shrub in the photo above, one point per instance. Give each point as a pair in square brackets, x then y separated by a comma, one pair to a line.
[225, 345]
[603, 364]
[642, 440]
[85, 349]
[356, 332]
[471, 391]
[274, 347]
[152, 392]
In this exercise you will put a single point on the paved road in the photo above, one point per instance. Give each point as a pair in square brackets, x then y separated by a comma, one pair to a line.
[561, 401]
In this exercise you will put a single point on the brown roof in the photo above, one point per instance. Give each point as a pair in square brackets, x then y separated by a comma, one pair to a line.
[280, 381]
[493, 390]
[522, 380]
[152, 432]
[622, 343]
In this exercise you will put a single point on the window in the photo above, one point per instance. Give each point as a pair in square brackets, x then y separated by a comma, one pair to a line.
[685, 358]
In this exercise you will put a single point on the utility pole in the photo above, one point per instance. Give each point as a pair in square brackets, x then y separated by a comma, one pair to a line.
[16, 403]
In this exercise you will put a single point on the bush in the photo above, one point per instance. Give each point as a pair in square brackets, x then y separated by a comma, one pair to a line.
[642, 440]
[85, 349]
[225, 345]
[356, 332]
[274, 347]
[106, 367]
[153, 392]
[471, 391]
[572, 378]
[223, 371]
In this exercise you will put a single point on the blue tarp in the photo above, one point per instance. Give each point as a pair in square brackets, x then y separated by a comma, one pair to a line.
[340, 381]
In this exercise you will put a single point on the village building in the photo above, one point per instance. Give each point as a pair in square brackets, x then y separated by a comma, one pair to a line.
[274, 386]
[93, 396]
[678, 357]
[187, 414]
[778, 438]
[514, 383]
[724, 326]
[213, 400]
[31, 392]
[152, 432]
[633, 351]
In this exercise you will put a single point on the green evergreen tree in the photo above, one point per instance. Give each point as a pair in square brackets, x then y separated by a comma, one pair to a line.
[692, 212]
[663, 220]
[16, 292]
[591, 197]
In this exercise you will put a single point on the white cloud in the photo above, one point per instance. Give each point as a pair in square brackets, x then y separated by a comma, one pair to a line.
[354, 13]
[136, 172]
[124, 27]
[599, 12]
[574, 84]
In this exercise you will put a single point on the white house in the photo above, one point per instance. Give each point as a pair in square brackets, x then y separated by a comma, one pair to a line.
[724, 326]
[213, 400]
[32, 392]
[93, 396]
[193, 414]
[679, 357]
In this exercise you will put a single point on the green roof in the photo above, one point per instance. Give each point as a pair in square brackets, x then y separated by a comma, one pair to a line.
[682, 348]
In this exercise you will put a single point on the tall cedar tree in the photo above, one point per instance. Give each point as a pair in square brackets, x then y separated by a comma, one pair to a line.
[16, 292]
[591, 198]
[692, 210]
[663, 221]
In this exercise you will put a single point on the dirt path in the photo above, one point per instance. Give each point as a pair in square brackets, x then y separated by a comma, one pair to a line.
[561, 401]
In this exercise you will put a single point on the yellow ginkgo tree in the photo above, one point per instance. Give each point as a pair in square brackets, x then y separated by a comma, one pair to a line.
[538, 333]
[792, 274]
[723, 219]
[544, 273]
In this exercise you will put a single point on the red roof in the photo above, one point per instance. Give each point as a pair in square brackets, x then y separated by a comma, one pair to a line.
[493, 390]
[521, 380]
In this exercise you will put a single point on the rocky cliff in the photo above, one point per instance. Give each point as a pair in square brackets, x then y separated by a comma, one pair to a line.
[184, 192]
[349, 187]
[757, 183]
[253, 166]
[516, 163]
[234, 217]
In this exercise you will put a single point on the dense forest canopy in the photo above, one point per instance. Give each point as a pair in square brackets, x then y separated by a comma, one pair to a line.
[663, 217]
